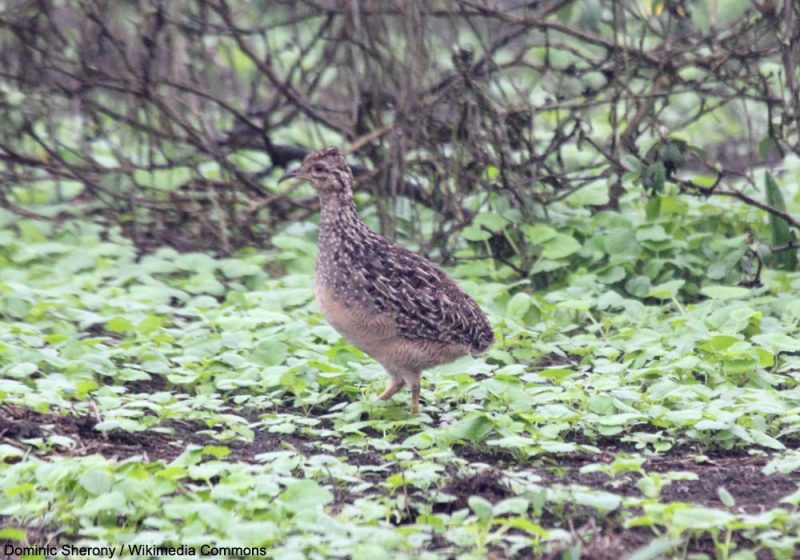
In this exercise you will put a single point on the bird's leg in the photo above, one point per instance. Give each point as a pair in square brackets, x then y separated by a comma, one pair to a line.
[413, 384]
[394, 385]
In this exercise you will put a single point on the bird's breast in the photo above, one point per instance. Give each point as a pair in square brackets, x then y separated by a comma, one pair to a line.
[352, 316]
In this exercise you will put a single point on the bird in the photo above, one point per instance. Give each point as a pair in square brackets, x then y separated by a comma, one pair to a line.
[389, 302]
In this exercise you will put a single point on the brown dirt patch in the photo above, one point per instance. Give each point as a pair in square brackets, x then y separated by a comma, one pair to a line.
[487, 484]
[740, 474]
[742, 477]
[18, 424]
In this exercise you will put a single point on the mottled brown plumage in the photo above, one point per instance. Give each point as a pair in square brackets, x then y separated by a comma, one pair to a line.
[387, 301]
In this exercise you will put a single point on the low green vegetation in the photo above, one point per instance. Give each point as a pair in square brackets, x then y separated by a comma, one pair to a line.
[642, 400]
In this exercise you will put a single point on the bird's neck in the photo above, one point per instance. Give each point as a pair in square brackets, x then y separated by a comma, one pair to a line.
[338, 217]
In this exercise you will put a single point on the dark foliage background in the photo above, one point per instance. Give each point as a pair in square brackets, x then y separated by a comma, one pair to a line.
[174, 118]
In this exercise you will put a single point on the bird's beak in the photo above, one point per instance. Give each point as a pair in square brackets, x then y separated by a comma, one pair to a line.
[288, 175]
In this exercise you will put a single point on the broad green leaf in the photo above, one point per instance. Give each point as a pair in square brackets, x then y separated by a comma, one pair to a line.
[476, 233]
[482, 508]
[472, 429]
[698, 518]
[491, 221]
[725, 497]
[638, 286]
[761, 438]
[557, 374]
[560, 246]
[21, 370]
[150, 324]
[305, 495]
[120, 325]
[96, 482]
[656, 549]
[539, 233]
[218, 451]
[518, 306]
[778, 342]
[667, 290]
[783, 464]
[13, 534]
[597, 499]
[781, 233]
[516, 506]
[725, 292]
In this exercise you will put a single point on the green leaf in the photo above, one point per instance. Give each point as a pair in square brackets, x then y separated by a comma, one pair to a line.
[235, 268]
[725, 497]
[648, 486]
[253, 533]
[612, 275]
[560, 246]
[621, 242]
[654, 177]
[778, 342]
[113, 502]
[270, 352]
[657, 549]
[305, 495]
[150, 324]
[719, 343]
[557, 374]
[217, 451]
[213, 516]
[13, 534]
[491, 221]
[19, 489]
[765, 440]
[793, 498]
[516, 506]
[21, 370]
[602, 404]
[518, 306]
[699, 518]
[725, 292]
[370, 552]
[96, 482]
[638, 286]
[765, 147]
[597, 499]
[120, 325]
[473, 429]
[652, 233]
[783, 464]
[539, 233]
[667, 290]
[475, 233]
[482, 507]
[780, 230]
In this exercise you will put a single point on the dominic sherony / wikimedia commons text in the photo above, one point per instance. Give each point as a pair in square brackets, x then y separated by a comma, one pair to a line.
[70, 550]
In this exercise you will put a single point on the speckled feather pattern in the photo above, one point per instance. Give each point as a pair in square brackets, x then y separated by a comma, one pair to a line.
[367, 269]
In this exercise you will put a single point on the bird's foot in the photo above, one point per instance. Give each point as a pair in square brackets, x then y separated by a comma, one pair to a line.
[393, 387]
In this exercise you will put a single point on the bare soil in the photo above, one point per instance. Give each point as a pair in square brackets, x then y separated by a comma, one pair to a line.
[739, 473]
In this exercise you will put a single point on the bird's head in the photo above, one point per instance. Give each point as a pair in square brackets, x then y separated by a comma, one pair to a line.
[326, 170]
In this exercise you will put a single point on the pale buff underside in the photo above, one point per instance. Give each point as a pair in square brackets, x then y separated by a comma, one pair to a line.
[375, 334]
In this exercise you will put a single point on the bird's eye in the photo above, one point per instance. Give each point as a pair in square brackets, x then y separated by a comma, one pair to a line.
[318, 169]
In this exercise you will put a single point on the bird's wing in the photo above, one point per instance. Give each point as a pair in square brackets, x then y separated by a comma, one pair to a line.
[426, 304]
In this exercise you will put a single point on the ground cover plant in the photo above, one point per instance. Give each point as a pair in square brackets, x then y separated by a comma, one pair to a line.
[615, 183]
[167, 397]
